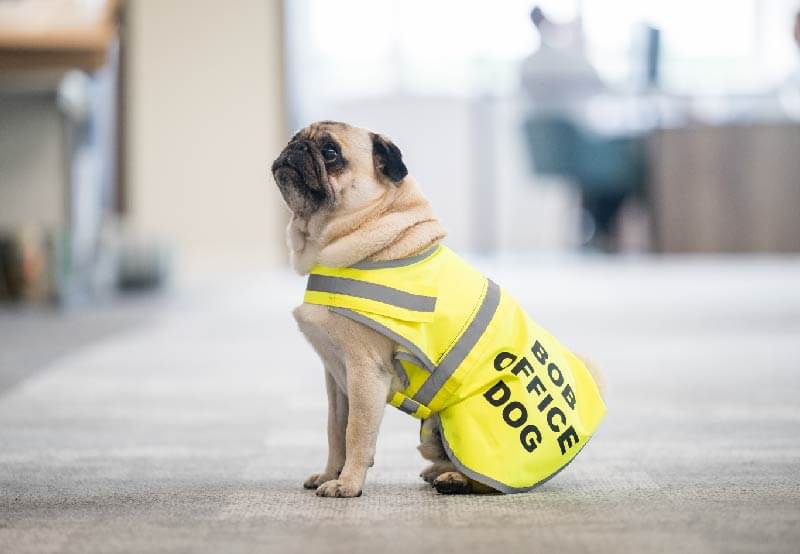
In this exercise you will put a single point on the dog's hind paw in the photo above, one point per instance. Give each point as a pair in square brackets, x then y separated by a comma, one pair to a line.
[452, 482]
[430, 473]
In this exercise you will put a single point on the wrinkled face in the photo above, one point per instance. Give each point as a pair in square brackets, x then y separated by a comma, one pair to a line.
[333, 166]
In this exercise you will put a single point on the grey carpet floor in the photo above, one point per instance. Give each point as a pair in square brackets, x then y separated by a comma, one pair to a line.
[193, 431]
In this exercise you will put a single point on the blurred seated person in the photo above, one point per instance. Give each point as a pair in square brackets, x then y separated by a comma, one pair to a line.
[558, 76]
[789, 92]
[607, 168]
[794, 79]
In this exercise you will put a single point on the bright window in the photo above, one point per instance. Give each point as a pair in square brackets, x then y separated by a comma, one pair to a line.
[359, 48]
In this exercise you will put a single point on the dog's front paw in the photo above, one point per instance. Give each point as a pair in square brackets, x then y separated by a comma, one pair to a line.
[339, 489]
[317, 479]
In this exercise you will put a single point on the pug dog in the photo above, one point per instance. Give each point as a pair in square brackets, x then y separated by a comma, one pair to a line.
[352, 200]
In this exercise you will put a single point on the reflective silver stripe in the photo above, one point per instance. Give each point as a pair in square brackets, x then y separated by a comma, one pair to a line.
[409, 357]
[385, 331]
[408, 406]
[371, 291]
[401, 372]
[462, 347]
[398, 263]
[495, 484]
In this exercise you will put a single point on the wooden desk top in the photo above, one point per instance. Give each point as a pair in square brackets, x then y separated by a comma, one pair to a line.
[56, 34]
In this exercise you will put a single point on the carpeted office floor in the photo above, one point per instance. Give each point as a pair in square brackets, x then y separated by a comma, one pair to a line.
[191, 427]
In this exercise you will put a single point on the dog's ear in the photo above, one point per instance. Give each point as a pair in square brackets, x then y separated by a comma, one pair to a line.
[388, 159]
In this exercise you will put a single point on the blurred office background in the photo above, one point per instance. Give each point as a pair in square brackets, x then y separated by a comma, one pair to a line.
[628, 169]
[617, 125]
[135, 137]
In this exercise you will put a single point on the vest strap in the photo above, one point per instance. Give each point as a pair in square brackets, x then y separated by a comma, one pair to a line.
[385, 331]
[463, 346]
[371, 291]
[401, 373]
[409, 357]
[355, 294]
[409, 406]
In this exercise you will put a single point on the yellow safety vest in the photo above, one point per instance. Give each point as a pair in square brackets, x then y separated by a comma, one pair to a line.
[514, 405]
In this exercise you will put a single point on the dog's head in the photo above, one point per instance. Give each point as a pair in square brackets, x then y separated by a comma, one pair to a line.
[333, 166]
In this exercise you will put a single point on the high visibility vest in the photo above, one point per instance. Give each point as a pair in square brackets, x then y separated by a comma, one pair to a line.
[514, 405]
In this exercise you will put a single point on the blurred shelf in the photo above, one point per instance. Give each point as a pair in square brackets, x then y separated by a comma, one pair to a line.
[56, 34]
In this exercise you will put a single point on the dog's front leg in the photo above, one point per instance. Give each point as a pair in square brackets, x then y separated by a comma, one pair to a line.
[367, 389]
[337, 426]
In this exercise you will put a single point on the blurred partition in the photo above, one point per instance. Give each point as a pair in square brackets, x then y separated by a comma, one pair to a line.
[727, 189]
[206, 120]
[469, 157]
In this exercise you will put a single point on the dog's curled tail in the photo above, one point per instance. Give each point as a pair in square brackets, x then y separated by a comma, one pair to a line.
[598, 375]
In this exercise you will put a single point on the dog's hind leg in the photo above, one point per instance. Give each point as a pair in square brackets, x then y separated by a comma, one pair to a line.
[442, 474]
[431, 448]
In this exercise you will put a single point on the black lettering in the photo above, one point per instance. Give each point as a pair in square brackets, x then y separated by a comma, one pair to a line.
[558, 379]
[569, 396]
[545, 403]
[524, 366]
[568, 437]
[503, 360]
[539, 352]
[555, 411]
[528, 442]
[515, 406]
[536, 384]
[491, 394]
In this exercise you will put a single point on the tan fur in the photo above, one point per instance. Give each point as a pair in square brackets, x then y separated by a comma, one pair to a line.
[371, 218]
[357, 366]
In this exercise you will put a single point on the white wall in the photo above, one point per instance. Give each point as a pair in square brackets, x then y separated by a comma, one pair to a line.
[438, 160]
[206, 121]
[470, 160]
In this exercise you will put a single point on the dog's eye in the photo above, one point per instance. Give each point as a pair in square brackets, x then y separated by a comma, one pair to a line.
[329, 153]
